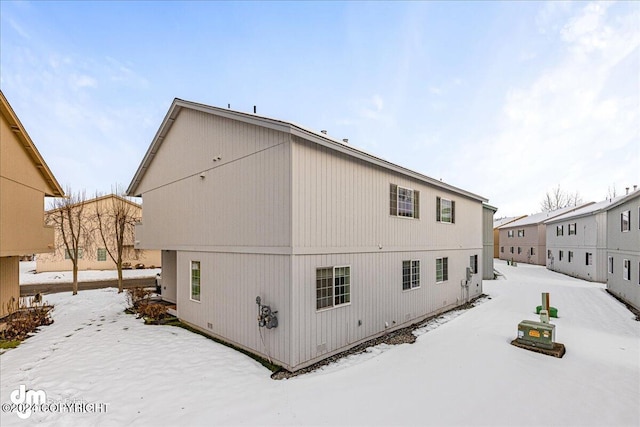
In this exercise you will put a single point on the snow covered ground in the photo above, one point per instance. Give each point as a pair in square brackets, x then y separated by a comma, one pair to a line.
[29, 276]
[462, 372]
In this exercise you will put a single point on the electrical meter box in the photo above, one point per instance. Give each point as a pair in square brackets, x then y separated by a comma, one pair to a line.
[536, 334]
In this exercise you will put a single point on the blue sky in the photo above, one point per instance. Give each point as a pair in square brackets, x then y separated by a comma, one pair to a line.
[504, 99]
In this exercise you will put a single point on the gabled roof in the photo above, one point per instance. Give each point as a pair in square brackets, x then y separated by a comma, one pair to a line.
[591, 209]
[100, 198]
[506, 220]
[28, 145]
[542, 217]
[283, 126]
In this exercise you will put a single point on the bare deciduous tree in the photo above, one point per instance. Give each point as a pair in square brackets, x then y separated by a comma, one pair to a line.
[611, 192]
[559, 198]
[70, 219]
[116, 217]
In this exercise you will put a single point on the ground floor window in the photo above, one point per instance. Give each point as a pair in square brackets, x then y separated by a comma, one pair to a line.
[626, 269]
[511, 249]
[532, 251]
[410, 274]
[333, 286]
[560, 255]
[442, 269]
[102, 254]
[473, 263]
[548, 253]
[589, 259]
[502, 249]
[68, 252]
[610, 265]
[570, 256]
[519, 250]
[195, 280]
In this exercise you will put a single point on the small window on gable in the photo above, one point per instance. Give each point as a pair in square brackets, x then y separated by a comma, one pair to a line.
[404, 202]
[445, 210]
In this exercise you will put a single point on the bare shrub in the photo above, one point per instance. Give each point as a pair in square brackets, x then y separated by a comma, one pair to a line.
[24, 318]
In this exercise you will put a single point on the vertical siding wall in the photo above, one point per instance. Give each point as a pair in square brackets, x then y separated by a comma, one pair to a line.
[241, 202]
[169, 276]
[589, 238]
[9, 282]
[341, 216]
[534, 237]
[487, 243]
[623, 246]
[230, 283]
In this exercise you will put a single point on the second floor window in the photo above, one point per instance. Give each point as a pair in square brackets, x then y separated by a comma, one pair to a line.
[445, 210]
[509, 233]
[572, 228]
[560, 230]
[625, 222]
[520, 233]
[404, 202]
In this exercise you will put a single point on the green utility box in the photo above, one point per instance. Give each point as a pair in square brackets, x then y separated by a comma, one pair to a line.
[536, 334]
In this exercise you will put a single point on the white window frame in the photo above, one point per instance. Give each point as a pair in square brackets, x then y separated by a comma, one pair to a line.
[520, 233]
[333, 287]
[625, 226]
[101, 253]
[444, 261]
[610, 265]
[519, 250]
[413, 279]
[473, 263]
[560, 255]
[575, 228]
[509, 233]
[549, 253]
[570, 256]
[589, 258]
[440, 203]
[626, 269]
[191, 281]
[559, 230]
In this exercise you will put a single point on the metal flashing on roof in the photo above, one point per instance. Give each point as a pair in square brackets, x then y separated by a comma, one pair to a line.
[283, 126]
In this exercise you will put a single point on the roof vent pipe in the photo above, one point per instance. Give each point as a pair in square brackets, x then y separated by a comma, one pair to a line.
[254, 109]
[635, 187]
[627, 188]
[324, 131]
[345, 140]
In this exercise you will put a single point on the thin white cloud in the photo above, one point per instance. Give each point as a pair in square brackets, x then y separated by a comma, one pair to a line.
[560, 127]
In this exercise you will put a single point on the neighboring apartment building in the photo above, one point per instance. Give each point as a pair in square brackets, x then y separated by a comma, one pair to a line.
[95, 256]
[25, 180]
[524, 240]
[345, 246]
[496, 232]
[577, 242]
[623, 248]
[488, 234]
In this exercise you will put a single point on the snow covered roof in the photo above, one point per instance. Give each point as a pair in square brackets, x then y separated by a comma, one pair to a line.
[319, 138]
[502, 221]
[587, 210]
[542, 217]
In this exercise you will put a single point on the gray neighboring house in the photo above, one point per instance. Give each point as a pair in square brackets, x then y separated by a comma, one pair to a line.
[524, 240]
[345, 246]
[577, 242]
[623, 248]
[488, 243]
